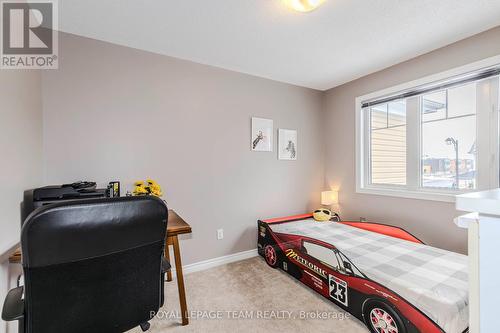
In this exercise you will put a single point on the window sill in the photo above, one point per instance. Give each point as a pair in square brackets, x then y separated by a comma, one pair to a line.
[408, 194]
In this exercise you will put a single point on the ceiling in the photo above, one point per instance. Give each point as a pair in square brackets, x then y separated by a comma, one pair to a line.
[340, 41]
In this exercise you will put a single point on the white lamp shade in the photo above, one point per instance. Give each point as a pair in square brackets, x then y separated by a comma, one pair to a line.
[329, 198]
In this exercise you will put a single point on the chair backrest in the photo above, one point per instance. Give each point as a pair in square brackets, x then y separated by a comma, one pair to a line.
[93, 265]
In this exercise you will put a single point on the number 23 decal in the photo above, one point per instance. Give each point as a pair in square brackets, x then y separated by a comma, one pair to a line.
[338, 290]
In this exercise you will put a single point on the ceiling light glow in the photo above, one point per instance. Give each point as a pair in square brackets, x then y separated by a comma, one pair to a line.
[303, 6]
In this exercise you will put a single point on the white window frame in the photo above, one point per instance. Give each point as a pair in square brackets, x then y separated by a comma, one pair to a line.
[487, 167]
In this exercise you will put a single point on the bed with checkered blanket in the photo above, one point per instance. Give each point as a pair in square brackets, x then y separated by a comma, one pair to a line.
[434, 280]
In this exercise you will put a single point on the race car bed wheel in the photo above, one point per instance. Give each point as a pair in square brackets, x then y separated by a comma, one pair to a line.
[271, 256]
[380, 318]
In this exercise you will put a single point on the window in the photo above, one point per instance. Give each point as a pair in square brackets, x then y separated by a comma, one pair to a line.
[322, 253]
[430, 139]
[388, 143]
[449, 138]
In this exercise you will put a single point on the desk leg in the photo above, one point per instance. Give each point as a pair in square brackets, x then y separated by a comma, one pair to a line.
[167, 256]
[180, 280]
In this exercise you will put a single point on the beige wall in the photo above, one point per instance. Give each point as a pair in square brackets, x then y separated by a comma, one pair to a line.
[112, 112]
[21, 151]
[20, 146]
[429, 220]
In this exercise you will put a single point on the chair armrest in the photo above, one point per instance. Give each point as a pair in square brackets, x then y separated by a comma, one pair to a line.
[165, 265]
[13, 307]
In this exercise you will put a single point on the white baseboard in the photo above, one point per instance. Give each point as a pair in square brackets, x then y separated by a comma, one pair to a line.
[211, 263]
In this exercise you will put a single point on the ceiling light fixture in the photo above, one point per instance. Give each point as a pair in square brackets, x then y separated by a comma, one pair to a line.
[303, 6]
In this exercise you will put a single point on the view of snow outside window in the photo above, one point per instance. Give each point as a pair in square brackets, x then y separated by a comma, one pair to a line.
[449, 138]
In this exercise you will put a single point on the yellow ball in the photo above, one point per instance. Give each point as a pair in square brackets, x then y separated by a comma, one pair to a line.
[322, 214]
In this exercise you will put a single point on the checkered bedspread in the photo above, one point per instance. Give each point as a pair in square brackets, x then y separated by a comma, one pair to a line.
[433, 280]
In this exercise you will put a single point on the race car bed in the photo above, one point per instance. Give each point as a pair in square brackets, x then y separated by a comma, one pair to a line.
[381, 274]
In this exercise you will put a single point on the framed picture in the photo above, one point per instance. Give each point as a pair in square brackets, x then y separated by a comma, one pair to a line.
[287, 144]
[262, 134]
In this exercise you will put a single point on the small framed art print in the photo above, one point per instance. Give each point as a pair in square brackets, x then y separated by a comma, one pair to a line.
[287, 144]
[262, 134]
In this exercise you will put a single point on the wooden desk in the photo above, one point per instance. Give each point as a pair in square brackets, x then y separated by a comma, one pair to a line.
[176, 226]
[16, 257]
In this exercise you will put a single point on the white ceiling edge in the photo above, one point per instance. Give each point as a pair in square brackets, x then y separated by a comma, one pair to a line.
[320, 50]
[233, 70]
[321, 88]
[429, 50]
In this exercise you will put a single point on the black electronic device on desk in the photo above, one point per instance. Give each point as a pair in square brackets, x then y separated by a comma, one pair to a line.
[46, 195]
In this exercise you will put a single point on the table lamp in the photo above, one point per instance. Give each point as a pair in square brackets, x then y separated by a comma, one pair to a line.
[329, 198]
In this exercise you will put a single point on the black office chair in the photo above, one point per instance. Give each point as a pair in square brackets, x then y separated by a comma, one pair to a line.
[91, 266]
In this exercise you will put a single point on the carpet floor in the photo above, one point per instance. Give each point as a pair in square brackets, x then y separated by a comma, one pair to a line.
[249, 296]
